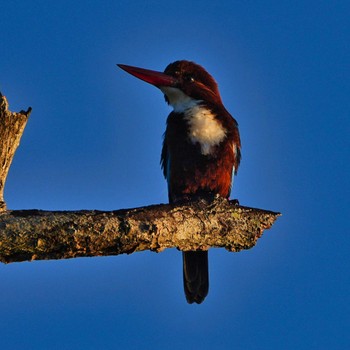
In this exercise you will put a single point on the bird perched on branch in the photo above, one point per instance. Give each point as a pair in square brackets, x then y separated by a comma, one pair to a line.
[201, 149]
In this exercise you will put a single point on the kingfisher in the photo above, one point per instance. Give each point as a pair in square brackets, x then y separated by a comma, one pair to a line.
[201, 149]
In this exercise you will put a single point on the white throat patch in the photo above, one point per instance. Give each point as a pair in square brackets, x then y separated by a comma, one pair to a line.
[203, 126]
[178, 100]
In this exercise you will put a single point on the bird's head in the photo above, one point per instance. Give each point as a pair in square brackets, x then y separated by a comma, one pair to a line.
[183, 83]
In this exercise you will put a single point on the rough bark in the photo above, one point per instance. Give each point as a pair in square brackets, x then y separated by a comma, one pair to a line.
[11, 129]
[37, 235]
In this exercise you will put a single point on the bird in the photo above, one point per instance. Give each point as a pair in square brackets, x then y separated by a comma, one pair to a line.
[201, 149]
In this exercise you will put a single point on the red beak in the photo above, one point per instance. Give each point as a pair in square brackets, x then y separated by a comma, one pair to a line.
[150, 76]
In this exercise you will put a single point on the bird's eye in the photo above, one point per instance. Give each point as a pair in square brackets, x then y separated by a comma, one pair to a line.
[189, 78]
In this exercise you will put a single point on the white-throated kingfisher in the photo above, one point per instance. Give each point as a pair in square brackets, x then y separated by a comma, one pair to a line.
[201, 149]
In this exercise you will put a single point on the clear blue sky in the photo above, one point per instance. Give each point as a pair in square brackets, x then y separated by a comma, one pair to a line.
[93, 142]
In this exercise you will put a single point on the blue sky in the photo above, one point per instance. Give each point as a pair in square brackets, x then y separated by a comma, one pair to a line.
[93, 142]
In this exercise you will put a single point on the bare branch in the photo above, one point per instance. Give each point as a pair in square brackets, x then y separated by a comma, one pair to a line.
[11, 129]
[37, 235]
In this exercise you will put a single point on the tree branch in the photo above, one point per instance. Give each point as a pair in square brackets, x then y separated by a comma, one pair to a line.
[11, 129]
[37, 234]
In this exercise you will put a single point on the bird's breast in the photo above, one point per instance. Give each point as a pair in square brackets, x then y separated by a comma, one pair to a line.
[204, 128]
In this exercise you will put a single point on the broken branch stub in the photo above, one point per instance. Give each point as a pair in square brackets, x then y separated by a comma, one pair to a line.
[11, 129]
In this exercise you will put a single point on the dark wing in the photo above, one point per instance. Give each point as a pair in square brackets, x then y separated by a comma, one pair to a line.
[237, 145]
[164, 158]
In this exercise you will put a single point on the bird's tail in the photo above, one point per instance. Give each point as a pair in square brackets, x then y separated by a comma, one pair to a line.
[195, 275]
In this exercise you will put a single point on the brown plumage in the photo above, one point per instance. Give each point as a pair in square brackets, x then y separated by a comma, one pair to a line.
[189, 172]
[201, 149]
